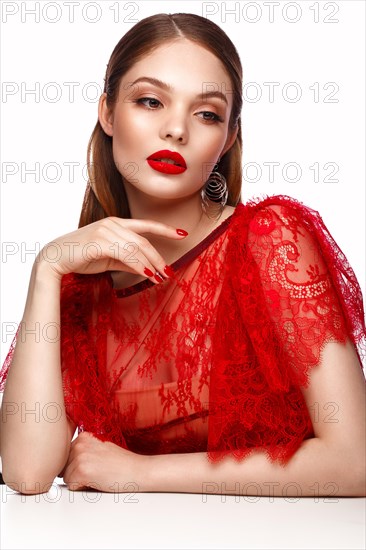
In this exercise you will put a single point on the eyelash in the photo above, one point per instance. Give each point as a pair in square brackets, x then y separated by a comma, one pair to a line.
[216, 118]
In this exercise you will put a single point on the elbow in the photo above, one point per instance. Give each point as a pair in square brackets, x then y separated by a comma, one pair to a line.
[352, 475]
[29, 487]
[357, 483]
[357, 471]
[26, 484]
[30, 479]
[348, 465]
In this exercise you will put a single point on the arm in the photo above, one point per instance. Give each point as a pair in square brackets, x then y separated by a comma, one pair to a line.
[35, 447]
[332, 463]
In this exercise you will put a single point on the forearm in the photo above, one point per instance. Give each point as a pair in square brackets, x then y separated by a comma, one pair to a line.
[314, 470]
[33, 422]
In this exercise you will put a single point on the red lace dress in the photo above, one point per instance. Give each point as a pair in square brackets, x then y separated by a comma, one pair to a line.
[213, 359]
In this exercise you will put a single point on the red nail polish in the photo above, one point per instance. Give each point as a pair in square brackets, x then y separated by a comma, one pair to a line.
[158, 277]
[181, 232]
[169, 271]
[148, 272]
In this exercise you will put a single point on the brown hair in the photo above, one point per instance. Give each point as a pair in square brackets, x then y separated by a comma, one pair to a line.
[105, 193]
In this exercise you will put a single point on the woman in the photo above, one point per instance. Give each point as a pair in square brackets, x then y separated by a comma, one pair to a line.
[194, 328]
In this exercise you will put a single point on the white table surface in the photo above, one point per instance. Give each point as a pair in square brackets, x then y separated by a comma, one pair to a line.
[89, 519]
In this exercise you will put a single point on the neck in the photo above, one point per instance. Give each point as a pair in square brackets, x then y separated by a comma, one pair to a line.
[184, 213]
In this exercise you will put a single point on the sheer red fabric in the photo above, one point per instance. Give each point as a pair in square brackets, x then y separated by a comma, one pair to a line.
[213, 359]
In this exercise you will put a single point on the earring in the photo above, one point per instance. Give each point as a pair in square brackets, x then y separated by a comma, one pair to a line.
[215, 190]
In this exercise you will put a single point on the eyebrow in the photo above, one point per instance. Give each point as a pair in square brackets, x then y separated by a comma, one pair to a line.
[169, 88]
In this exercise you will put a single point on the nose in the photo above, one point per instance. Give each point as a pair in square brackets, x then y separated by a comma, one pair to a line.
[175, 137]
[175, 127]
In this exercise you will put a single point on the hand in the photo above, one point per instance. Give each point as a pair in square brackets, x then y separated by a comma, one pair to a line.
[103, 466]
[106, 245]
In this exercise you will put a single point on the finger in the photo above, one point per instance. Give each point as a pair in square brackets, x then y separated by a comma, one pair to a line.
[76, 486]
[70, 458]
[75, 481]
[71, 464]
[148, 226]
[139, 255]
[69, 477]
[141, 227]
[135, 253]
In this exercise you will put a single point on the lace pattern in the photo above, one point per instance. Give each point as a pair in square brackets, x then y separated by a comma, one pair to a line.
[213, 359]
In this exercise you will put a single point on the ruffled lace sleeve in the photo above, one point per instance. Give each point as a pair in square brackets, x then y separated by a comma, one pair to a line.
[310, 290]
[292, 291]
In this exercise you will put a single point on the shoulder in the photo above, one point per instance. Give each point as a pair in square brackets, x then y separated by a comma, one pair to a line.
[279, 206]
[284, 227]
[279, 213]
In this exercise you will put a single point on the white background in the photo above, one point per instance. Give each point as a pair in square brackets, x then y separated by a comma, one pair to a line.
[311, 52]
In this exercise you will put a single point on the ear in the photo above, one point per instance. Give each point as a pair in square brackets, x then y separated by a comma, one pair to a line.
[230, 140]
[105, 115]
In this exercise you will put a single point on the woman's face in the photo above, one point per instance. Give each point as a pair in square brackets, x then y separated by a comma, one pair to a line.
[148, 118]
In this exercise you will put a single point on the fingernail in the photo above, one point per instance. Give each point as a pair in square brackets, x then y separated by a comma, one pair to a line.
[169, 271]
[148, 272]
[181, 232]
[158, 277]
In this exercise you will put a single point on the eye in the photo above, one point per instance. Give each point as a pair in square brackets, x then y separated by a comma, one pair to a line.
[215, 117]
[142, 99]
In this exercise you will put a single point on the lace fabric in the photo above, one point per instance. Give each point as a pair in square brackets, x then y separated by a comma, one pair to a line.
[214, 358]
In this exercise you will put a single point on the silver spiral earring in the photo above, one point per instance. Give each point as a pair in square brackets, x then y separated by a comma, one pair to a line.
[215, 192]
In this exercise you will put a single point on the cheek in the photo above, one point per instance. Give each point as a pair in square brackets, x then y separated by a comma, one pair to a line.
[130, 137]
[139, 123]
[206, 155]
[135, 123]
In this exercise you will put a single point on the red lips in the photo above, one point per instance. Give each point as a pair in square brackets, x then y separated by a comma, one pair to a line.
[166, 154]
